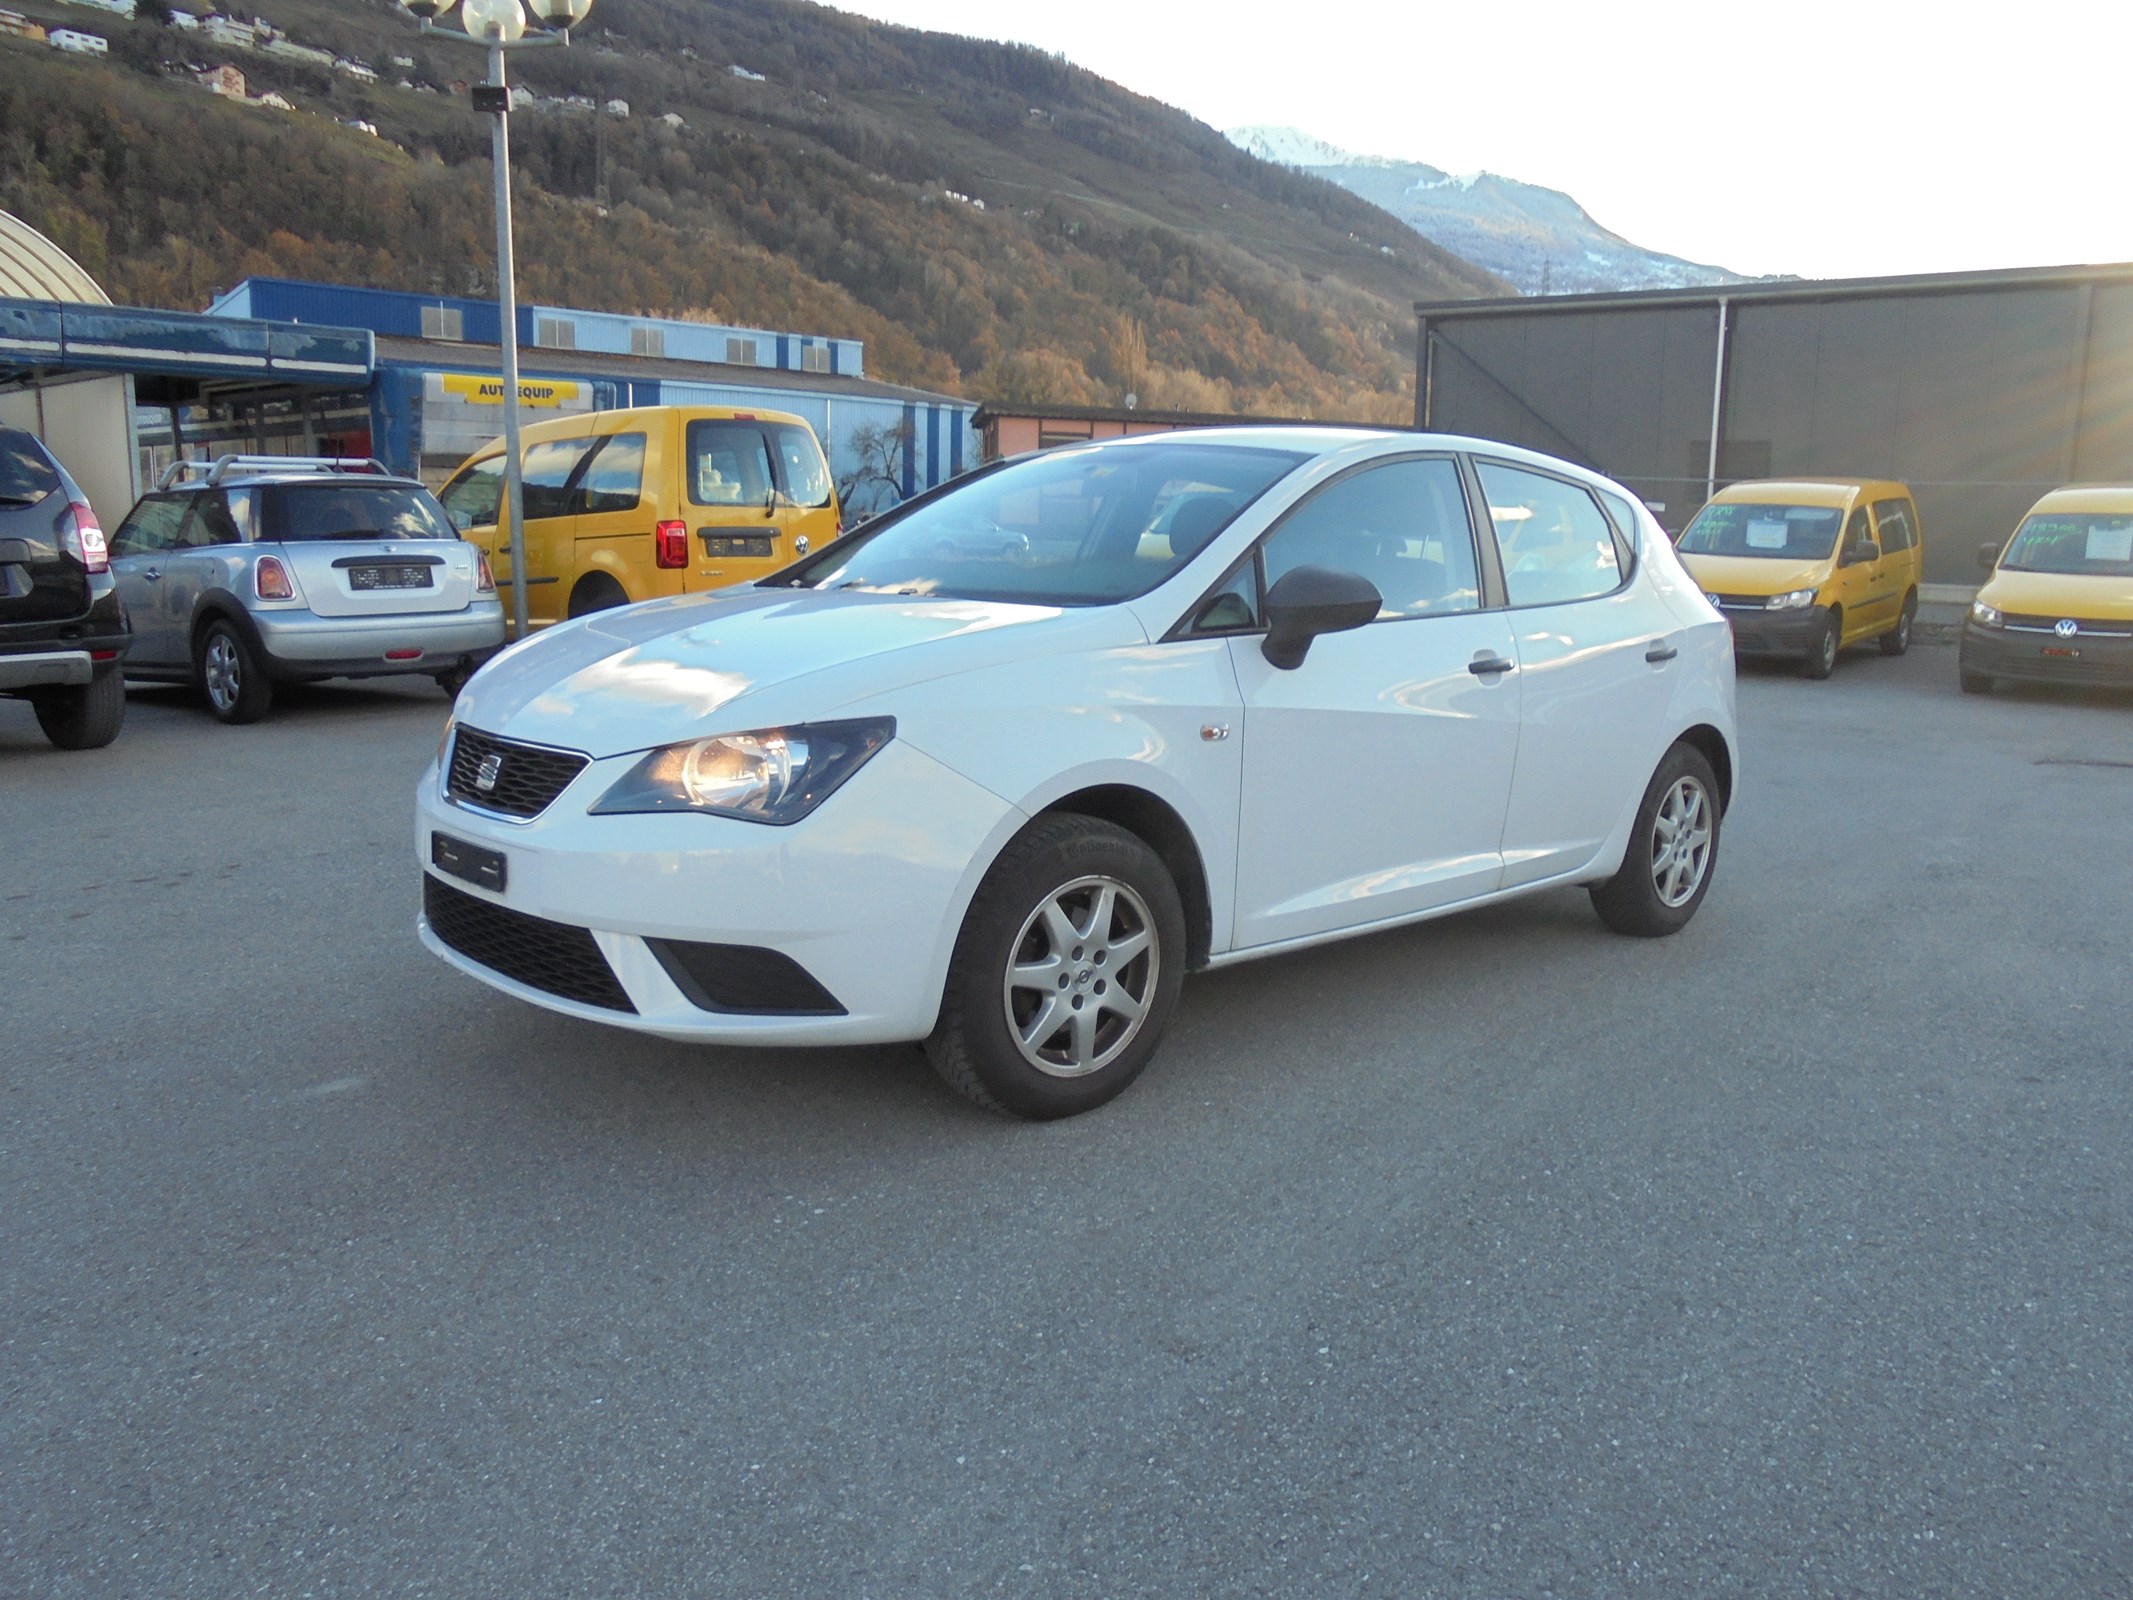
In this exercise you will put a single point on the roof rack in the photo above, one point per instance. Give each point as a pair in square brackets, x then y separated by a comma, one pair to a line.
[222, 466]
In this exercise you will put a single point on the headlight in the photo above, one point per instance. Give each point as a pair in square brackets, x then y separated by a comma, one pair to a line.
[774, 775]
[1988, 615]
[1796, 600]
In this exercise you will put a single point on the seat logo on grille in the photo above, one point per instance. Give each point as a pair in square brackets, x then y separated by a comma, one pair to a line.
[2066, 627]
[491, 768]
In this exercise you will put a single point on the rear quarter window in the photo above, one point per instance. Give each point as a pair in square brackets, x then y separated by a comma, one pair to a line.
[26, 474]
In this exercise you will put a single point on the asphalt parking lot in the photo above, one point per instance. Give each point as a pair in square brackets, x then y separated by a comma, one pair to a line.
[1495, 1257]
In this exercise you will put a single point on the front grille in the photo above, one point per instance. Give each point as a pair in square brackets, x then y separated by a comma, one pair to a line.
[526, 779]
[550, 956]
[2093, 629]
[1740, 602]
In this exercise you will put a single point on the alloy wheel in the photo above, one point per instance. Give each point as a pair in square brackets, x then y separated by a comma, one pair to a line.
[224, 674]
[1080, 976]
[1681, 843]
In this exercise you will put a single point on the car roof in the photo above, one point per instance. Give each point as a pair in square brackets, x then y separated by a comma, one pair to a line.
[1811, 491]
[253, 480]
[2106, 498]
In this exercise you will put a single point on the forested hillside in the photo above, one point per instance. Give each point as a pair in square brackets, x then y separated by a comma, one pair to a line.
[1120, 246]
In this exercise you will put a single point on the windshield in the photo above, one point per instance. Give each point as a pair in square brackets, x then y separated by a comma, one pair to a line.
[2087, 544]
[1781, 533]
[1076, 527]
[310, 512]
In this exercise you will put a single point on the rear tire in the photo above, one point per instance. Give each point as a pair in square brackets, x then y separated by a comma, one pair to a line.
[1065, 973]
[1673, 850]
[85, 717]
[1898, 639]
[596, 591]
[230, 676]
[1822, 654]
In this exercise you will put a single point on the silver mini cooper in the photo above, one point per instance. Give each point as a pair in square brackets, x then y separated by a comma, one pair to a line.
[258, 570]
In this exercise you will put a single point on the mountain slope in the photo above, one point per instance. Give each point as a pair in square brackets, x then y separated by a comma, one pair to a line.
[1540, 239]
[1120, 245]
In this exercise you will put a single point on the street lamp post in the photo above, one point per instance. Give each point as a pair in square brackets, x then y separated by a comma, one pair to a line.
[501, 25]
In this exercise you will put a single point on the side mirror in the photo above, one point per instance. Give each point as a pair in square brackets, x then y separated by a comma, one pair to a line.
[1310, 601]
[1988, 554]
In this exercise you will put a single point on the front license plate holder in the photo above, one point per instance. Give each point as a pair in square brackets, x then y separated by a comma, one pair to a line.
[2059, 653]
[472, 863]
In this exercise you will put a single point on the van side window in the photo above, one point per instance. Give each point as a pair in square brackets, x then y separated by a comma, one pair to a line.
[1897, 531]
[471, 499]
[1557, 544]
[1403, 525]
[614, 481]
[729, 464]
[546, 478]
[1858, 530]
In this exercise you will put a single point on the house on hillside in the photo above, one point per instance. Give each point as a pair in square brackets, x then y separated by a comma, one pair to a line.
[350, 67]
[229, 32]
[617, 108]
[228, 82]
[119, 8]
[740, 71]
[76, 43]
[674, 120]
[185, 22]
[273, 102]
[14, 22]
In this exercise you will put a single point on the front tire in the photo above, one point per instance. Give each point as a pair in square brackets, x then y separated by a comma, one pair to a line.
[230, 676]
[1673, 849]
[1822, 654]
[1898, 639]
[86, 717]
[1065, 973]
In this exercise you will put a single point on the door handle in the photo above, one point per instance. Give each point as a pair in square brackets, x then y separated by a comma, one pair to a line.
[1660, 651]
[1487, 665]
[151, 573]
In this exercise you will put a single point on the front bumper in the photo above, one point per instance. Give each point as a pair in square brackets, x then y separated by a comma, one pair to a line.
[301, 643]
[866, 896]
[2099, 660]
[1757, 632]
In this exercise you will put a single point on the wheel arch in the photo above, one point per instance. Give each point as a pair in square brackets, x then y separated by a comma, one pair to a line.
[1712, 746]
[219, 605]
[596, 577]
[1157, 824]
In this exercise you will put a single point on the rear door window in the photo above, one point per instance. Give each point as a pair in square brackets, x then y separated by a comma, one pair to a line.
[803, 474]
[546, 478]
[1557, 545]
[614, 478]
[26, 474]
[1897, 529]
[152, 526]
[729, 464]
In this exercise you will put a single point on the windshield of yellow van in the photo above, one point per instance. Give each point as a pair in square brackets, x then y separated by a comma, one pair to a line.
[2084, 544]
[1077, 527]
[1782, 533]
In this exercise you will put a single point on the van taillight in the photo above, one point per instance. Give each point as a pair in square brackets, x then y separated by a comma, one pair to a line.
[670, 544]
[272, 579]
[84, 541]
[484, 579]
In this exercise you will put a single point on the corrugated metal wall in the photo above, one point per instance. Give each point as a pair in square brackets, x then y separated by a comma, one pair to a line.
[1980, 398]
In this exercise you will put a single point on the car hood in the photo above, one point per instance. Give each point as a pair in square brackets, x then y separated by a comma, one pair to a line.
[1754, 574]
[668, 670]
[2057, 594]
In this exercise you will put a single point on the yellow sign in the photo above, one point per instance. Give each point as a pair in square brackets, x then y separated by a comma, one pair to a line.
[539, 393]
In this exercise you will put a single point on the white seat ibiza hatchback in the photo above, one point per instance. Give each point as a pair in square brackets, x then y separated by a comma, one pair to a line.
[998, 770]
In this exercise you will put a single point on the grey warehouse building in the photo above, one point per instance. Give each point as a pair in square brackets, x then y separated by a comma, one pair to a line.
[1981, 390]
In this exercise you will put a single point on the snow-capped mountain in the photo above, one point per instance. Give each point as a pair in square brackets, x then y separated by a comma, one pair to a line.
[1540, 239]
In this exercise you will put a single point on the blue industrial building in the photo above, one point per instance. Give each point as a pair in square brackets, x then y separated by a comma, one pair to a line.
[412, 378]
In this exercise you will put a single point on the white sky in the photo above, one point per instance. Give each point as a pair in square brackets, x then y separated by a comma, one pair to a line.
[1827, 139]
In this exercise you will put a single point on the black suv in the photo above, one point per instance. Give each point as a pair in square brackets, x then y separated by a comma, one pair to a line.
[62, 630]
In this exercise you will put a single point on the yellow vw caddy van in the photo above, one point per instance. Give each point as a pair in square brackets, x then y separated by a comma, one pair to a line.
[2058, 607]
[658, 500]
[1804, 567]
